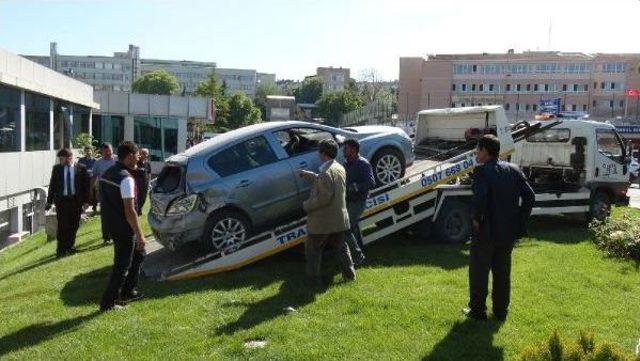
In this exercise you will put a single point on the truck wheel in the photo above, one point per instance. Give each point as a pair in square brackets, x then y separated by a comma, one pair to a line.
[225, 231]
[388, 166]
[454, 222]
[600, 206]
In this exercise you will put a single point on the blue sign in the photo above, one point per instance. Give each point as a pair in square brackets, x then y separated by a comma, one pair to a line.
[628, 129]
[550, 106]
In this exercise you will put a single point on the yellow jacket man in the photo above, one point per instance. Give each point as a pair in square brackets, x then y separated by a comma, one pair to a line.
[327, 216]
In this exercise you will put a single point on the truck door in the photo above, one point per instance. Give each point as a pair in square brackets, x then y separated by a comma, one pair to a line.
[610, 157]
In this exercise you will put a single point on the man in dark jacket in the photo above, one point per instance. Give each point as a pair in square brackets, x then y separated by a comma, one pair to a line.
[119, 210]
[359, 181]
[143, 178]
[499, 219]
[69, 191]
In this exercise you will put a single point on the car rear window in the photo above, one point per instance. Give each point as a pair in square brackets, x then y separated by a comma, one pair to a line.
[168, 179]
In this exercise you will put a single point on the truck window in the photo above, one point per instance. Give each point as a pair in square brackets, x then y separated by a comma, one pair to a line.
[554, 135]
[247, 155]
[609, 144]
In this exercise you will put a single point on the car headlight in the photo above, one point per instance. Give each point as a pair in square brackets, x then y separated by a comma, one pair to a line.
[182, 205]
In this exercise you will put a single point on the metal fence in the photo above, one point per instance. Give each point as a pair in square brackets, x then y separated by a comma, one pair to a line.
[376, 112]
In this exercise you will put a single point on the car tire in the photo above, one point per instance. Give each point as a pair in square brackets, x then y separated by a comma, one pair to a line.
[388, 166]
[453, 224]
[225, 231]
[600, 206]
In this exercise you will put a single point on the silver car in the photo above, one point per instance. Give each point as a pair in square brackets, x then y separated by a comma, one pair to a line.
[223, 191]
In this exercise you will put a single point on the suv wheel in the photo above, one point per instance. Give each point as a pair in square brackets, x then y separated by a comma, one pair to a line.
[225, 231]
[388, 166]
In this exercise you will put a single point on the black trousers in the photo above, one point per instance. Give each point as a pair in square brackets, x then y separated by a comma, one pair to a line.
[485, 257]
[127, 263]
[142, 197]
[68, 210]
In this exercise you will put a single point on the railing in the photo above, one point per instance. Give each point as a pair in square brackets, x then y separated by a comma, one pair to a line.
[376, 112]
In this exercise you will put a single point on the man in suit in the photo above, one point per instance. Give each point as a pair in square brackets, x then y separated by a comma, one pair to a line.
[68, 190]
[499, 219]
[327, 216]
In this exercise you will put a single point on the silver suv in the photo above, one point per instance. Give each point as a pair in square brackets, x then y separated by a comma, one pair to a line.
[222, 191]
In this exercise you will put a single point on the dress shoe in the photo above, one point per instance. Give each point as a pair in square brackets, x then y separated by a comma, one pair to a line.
[474, 315]
[132, 296]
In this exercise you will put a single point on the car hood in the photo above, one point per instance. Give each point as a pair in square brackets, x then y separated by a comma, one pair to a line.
[377, 129]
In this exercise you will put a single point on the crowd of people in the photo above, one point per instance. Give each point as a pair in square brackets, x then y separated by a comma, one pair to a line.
[118, 185]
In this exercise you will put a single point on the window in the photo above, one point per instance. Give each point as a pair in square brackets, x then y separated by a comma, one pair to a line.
[508, 87]
[594, 104]
[611, 104]
[80, 120]
[564, 87]
[159, 134]
[117, 66]
[475, 68]
[584, 107]
[62, 131]
[302, 140]
[526, 107]
[546, 87]
[473, 87]
[464, 87]
[622, 104]
[491, 87]
[574, 107]
[613, 85]
[517, 106]
[602, 85]
[481, 86]
[38, 121]
[535, 87]
[554, 135]
[99, 65]
[453, 87]
[575, 87]
[528, 87]
[507, 106]
[241, 157]
[107, 128]
[585, 87]
[595, 85]
[518, 87]
[535, 107]
[609, 143]
[9, 119]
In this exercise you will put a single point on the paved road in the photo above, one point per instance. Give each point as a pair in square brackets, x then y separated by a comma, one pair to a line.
[634, 194]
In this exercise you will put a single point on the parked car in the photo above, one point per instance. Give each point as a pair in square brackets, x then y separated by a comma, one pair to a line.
[222, 191]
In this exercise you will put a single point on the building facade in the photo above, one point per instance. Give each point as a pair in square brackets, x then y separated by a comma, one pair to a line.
[156, 122]
[117, 72]
[590, 83]
[41, 111]
[335, 79]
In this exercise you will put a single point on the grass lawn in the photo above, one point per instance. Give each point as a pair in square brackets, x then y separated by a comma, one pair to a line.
[405, 304]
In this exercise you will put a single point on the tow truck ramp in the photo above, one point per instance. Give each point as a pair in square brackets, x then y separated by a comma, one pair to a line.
[389, 209]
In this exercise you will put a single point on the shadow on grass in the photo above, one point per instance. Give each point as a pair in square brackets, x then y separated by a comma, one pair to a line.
[468, 340]
[33, 335]
[558, 229]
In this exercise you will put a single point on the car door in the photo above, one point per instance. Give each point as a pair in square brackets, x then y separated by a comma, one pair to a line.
[257, 181]
[301, 145]
[610, 157]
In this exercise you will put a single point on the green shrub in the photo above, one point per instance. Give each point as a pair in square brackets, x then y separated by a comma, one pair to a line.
[585, 348]
[618, 236]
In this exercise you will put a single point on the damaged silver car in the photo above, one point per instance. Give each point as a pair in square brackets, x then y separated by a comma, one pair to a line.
[222, 191]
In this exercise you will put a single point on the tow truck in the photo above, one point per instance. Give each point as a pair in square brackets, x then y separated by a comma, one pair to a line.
[574, 167]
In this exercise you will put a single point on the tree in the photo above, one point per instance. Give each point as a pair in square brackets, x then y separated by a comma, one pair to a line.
[211, 88]
[262, 91]
[334, 104]
[156, 82]
[310, 90]
[242, 112]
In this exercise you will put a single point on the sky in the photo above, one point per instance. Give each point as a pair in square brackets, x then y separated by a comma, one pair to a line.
[292, 37]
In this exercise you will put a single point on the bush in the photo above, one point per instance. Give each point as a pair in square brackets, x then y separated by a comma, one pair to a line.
[584, 349]
[618, 236]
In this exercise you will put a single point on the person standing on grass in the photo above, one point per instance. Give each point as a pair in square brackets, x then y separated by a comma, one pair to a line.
[327, 216]
[119, 211]
[99, 167]
[69, 190]
[359, 181]
[88, 161]
[499, 219]
[143, 178]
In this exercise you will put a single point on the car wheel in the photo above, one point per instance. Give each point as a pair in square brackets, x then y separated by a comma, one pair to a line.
[225, 231]
[600, 206]
[454, 222]
[388, 166]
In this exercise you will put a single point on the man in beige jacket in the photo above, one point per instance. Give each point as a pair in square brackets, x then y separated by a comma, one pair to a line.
[327, 217]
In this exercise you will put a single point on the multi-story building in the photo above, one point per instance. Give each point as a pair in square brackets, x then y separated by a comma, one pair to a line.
[117, 72]
[335, 79]
[41, 111]
[590, 83]
[188, 73]
[113, 73]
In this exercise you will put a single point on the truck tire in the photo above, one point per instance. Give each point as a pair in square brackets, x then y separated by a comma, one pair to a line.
[225, 231]
[600, 208]
[388, 166]
[453, 224]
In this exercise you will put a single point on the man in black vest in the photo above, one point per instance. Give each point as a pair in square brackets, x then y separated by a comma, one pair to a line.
[119, 211]
[68, 190]
[498, 220]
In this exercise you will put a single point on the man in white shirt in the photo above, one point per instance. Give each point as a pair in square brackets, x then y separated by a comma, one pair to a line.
[69, 190]
[118, 195]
